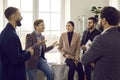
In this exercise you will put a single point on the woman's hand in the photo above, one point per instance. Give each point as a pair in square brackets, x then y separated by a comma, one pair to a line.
[69, 56]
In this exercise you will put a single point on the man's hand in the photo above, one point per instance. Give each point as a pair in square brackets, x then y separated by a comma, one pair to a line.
[89, 45]
[31, 50]
[92, 64]
[55, 44]
[83, 47]
[41, 42]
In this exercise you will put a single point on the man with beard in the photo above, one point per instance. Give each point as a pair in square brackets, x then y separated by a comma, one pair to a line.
[105, 48]
[89, 35]
[12, 56]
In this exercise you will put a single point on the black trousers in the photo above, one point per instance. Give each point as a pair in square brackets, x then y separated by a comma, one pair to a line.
[0, 68]
[72, 68]
[88, 71]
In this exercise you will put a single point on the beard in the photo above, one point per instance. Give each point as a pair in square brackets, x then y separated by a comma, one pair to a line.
[18, 23]
[90, 27]
[100, 27]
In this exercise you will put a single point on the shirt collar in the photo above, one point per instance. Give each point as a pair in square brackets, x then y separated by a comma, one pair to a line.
[37, 34]
[107, 29]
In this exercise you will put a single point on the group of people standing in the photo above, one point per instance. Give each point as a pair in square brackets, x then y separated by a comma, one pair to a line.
[15, 62]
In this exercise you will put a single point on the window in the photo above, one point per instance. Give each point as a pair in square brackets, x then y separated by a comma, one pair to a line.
[50, 12]
[27, 13]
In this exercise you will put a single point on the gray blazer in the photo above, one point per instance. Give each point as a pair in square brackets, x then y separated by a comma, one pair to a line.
[105, 52]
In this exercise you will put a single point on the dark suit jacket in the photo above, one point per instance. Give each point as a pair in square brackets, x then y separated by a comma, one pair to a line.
[12, 56]
[0, 68]
[31, 40]
[105, 52]
[85, 37]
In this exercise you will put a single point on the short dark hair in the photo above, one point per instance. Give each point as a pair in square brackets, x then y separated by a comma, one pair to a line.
[72, 23]
[111, 15]
[95, 20]
[37, 22]
[9, 11]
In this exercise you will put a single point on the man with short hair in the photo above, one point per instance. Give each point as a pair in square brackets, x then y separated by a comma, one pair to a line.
[88, 35]
[105, 49]
[12, 56]
[38, 61]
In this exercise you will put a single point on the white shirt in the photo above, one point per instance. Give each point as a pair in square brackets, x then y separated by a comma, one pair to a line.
[107, 29]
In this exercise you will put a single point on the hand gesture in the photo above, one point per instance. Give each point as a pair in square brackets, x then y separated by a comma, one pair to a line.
[39, 42]
[55, 44]
[31, 51]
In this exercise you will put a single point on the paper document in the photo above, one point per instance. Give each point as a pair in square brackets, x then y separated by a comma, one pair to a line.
[88, 44]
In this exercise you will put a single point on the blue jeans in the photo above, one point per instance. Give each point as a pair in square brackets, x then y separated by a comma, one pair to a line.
[32, 74]
[44, 67]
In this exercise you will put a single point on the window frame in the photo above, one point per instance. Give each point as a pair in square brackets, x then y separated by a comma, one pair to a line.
[35, 16]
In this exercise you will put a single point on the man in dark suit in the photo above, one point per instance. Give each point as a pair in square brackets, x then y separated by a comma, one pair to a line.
[105, 49]
[0, 68]
[12, 56]
[89, 34]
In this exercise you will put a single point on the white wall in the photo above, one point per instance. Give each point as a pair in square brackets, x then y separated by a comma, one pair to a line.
[82, 7]
[118, 4]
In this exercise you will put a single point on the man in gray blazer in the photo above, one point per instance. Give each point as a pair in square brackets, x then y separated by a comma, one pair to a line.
[105, 49]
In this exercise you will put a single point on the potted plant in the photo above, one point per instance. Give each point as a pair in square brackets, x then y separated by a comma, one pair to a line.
[96, 10]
